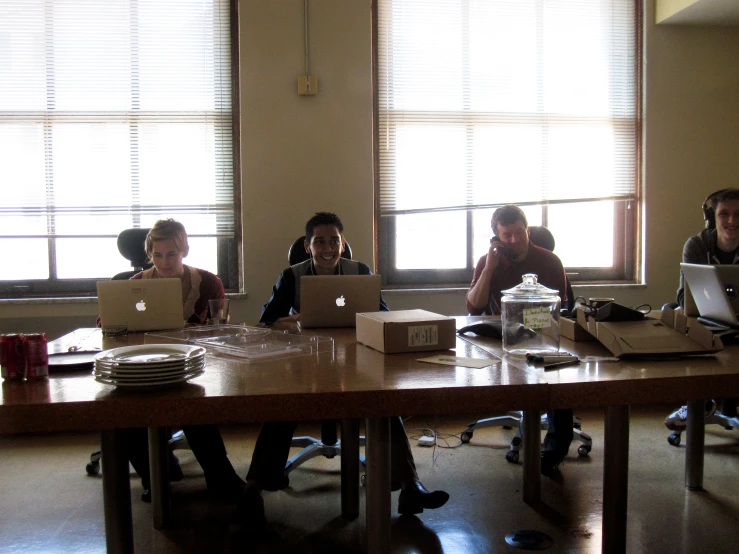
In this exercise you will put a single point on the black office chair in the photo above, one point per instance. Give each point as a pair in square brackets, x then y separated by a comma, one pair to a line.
[543, 238]
[131, 245]
[329, 444]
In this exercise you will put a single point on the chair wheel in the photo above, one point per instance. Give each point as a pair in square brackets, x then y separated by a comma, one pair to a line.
[466, 436]
[507, 427]
[674, 439]
[583, 450]
[512, 456]
[93, 468]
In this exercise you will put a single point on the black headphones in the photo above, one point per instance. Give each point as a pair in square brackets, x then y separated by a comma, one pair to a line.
[708, 214]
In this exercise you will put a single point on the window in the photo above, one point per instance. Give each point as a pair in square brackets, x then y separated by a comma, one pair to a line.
[112, 115]
[482, 103]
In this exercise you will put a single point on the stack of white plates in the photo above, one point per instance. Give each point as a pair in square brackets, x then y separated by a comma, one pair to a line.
[149, 365]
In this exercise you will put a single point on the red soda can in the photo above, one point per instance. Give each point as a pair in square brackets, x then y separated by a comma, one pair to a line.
[11, 356]
[36, 354]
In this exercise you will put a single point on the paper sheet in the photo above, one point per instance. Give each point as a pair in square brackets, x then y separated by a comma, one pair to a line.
[459, 361]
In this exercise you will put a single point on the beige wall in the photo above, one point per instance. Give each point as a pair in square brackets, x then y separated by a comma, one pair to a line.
[303, 154]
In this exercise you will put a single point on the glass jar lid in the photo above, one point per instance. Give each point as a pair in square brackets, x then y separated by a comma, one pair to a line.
[531, 289]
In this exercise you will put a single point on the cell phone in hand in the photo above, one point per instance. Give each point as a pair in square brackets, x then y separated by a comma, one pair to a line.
[505, 251]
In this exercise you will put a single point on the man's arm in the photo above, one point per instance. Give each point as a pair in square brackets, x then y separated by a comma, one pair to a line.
[282, 299]
[694, 252]
[478, 297]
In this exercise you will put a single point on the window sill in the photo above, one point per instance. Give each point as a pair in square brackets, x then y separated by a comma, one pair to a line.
[80, 300]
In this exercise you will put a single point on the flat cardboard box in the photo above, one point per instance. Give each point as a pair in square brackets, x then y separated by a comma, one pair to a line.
[653, 337]
[406, 331]
[570, 329]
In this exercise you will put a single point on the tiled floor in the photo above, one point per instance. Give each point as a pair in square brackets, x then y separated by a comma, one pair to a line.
[49, 505]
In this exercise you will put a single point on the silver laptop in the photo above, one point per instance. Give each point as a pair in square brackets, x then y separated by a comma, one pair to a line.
[335, 300]
[712, 292]
[140, 304]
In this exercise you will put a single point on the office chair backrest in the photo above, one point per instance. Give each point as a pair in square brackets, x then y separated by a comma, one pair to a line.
[131, 245]
[543, 238]
[296, 253]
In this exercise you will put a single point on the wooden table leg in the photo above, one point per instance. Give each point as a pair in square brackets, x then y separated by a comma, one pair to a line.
[531, 436]
[615, 479]
[350, 468]
[696, 434]
[116, 493]
[159, 474]
[378, 485]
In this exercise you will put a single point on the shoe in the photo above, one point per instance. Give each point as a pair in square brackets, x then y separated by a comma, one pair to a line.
[678, 420]
[146, 496]
[550, 463]
[231, 488]
[249, 512]
[414, 498]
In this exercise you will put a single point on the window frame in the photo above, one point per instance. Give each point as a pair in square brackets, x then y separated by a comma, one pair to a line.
[229, 257]
[627, 210]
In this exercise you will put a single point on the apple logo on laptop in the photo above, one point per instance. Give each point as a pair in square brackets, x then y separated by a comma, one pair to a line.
[340, 301]
[141, 305]
[706, 294]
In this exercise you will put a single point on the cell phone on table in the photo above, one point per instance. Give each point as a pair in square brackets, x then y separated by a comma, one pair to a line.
[507, 252]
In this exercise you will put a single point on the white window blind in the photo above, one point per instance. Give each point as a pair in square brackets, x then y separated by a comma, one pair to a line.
[113, 114]
[490, 102]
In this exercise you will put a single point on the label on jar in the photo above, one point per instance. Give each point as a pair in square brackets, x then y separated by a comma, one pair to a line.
[423, 335]
[537, 318]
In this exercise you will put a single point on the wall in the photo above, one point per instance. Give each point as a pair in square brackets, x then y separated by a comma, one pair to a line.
[304, 154]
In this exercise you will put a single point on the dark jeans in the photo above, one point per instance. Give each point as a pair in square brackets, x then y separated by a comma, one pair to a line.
[206, 444]
[272, 450]
[559, 434]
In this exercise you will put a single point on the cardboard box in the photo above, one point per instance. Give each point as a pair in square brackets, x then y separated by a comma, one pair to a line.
[570, 329]
[406, 331]
[653, 337]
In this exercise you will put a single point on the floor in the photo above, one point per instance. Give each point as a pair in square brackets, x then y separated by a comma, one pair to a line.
[48, 504]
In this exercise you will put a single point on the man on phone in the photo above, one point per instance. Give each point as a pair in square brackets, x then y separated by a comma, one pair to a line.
[512, 255]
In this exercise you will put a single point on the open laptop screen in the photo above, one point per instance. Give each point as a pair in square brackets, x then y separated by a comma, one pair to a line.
[335, 300]
[141, 304]
[712, 292]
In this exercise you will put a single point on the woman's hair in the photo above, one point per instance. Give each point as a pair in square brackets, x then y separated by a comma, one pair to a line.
[167, 229]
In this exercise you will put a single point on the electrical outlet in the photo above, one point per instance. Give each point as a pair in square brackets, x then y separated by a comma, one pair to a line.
[307, 85]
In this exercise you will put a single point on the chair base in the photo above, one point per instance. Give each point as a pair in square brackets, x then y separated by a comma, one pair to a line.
[717, 418]
[312, 448]
[513, 420]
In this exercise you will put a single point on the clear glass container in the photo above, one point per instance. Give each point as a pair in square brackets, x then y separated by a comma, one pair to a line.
[530, 315]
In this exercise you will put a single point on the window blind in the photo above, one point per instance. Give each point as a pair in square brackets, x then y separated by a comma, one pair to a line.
[115, 114]
[490, 102]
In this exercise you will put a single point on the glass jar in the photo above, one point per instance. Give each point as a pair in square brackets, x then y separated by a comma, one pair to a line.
[530, 315]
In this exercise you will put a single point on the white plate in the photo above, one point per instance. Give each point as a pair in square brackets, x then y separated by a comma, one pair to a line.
[150, 354]
[179, 366]
[149, 375]
[146, 384]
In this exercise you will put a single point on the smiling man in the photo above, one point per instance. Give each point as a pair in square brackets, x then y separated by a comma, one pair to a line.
[324, 241]
[717, 244]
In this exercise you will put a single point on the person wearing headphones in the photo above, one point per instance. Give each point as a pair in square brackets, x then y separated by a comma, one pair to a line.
[717, 244]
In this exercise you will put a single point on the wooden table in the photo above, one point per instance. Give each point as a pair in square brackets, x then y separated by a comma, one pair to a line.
[614, 386]
[350, 383]
[357, 382]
